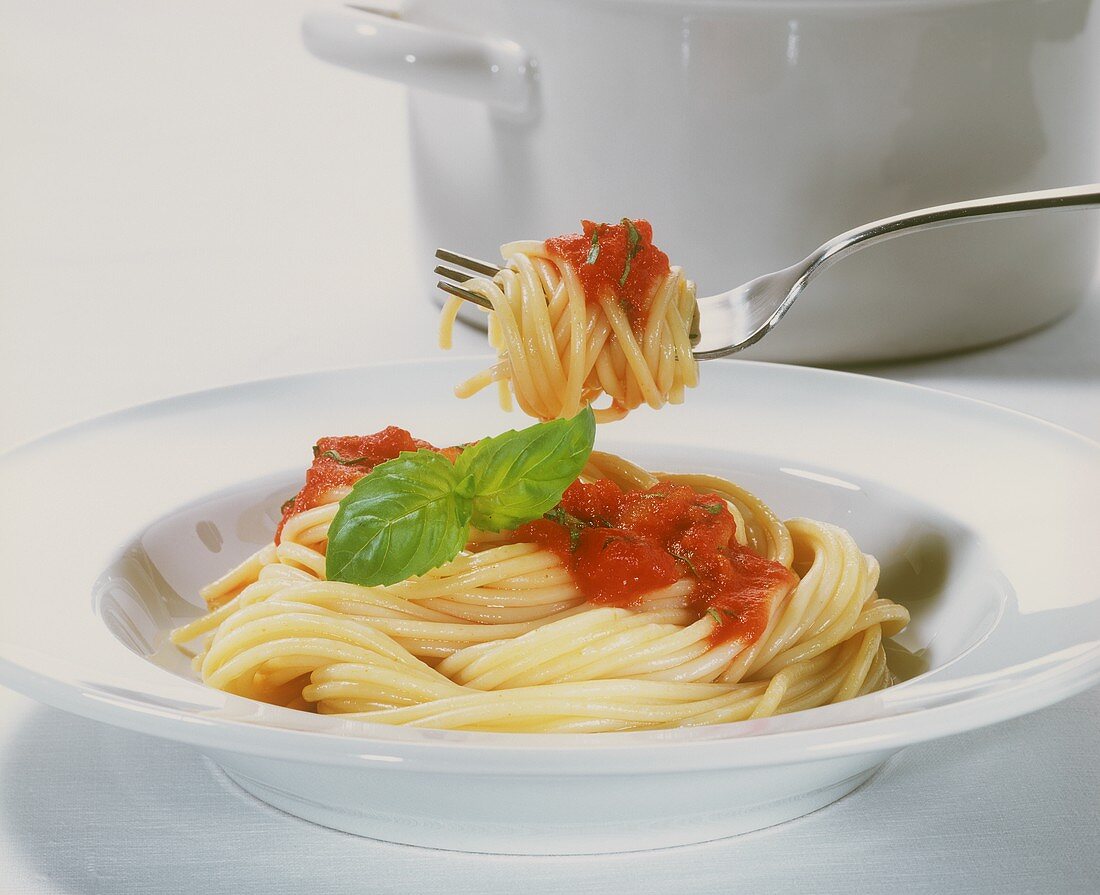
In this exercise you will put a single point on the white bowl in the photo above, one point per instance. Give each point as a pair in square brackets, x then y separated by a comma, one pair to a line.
[978, 516]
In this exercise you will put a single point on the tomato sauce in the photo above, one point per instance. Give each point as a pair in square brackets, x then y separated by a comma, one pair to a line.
[341, 460]
[621, 545]
[616, 259]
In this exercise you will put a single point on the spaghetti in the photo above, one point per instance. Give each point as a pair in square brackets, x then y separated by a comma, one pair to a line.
[580, 316]
[508, 636]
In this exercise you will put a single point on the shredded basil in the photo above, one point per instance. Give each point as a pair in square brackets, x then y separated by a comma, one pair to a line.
[594, 246]
[634, 245]
[343, 461]
[570, 522]
[684, 558]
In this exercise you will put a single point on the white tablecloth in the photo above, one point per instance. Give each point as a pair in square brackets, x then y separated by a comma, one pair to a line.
[187, 200]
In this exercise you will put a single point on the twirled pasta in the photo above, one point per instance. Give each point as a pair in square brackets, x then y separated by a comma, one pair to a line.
[501, 639]
[560, 350]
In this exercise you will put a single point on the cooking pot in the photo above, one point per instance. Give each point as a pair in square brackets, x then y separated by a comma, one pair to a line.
[750, 132]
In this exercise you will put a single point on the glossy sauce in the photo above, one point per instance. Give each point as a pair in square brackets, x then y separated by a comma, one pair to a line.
[610, 259]
[621, 546]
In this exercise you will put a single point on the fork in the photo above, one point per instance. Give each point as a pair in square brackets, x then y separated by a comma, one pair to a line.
[730, 321]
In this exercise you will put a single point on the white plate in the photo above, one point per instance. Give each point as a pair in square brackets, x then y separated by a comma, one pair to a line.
[981, 517]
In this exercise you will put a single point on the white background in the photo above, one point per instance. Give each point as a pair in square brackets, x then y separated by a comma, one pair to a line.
[188, 200]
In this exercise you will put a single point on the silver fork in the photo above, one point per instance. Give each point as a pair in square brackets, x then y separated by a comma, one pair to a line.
[729, 321]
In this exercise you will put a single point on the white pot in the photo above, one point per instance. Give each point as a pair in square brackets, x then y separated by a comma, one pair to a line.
[750, 132]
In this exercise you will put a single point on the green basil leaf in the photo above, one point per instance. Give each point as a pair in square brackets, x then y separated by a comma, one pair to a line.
[686, 560]
[343, 461]
[518, 476]
[569, 522]
[634, 245]
[594, 246]
[404, 518]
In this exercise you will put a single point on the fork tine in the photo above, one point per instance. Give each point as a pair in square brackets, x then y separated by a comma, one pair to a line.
[693, 329]
[466, 294]
[451, 273]
[484, 268]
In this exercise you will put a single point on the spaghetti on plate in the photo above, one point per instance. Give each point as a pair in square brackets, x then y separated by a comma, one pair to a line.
[636, 600]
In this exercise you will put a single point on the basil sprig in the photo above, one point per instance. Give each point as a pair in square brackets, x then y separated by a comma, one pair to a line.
[412, 514]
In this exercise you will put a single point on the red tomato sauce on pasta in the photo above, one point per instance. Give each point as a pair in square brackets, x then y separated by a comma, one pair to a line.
[341, 460]
[618, 260]
[621, 545]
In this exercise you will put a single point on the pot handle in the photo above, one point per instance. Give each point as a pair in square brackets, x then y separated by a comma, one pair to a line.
[494, 71]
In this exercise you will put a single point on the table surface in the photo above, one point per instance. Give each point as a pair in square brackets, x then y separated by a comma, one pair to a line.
[186, 228]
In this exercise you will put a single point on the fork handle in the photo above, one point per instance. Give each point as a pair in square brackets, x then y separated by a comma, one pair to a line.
[1066, 198]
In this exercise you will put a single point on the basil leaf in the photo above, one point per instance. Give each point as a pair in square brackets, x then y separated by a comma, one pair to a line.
[518, 476]
[634, 243]
[404, 518]
[594, 247]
